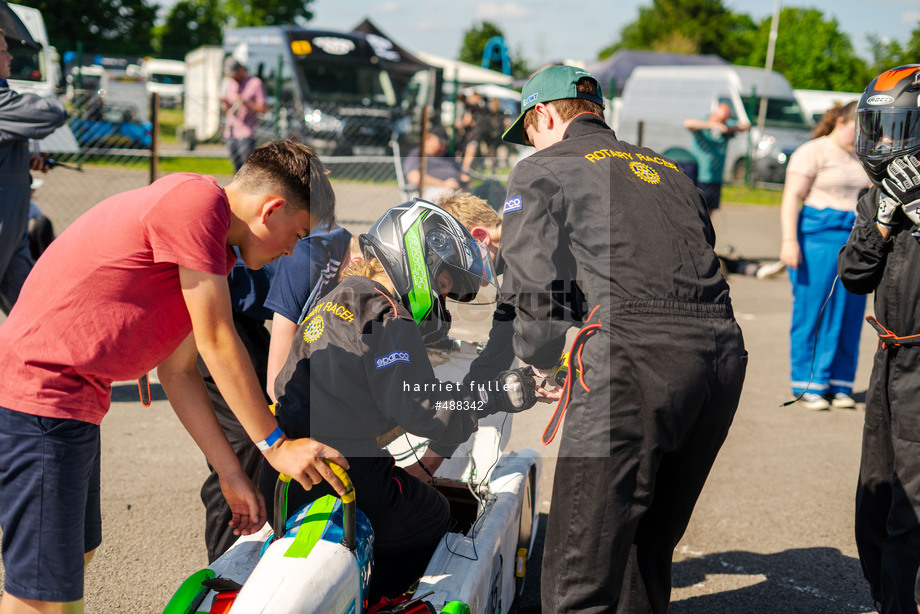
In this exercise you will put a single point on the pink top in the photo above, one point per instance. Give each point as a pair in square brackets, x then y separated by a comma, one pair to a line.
[240, 122]
[838, 175]
[104, 303]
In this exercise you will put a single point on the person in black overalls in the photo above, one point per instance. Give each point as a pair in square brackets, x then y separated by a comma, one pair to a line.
[882, 255]
[358, 368]
[662, 357]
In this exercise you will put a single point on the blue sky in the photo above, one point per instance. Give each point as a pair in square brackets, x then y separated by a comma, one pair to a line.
[543, 30]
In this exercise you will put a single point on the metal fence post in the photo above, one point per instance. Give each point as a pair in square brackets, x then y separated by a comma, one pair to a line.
[155, 134]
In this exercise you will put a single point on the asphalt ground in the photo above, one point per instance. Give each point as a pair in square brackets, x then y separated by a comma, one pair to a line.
[772, 531]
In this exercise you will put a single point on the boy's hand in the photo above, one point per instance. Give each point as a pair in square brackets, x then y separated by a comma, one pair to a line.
[302, 459]
[246, 503]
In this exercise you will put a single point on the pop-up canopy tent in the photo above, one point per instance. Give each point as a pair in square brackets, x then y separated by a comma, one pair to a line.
[401, 65]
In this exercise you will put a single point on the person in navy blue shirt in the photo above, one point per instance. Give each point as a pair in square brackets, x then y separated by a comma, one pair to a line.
[323, 255]
[278, 291]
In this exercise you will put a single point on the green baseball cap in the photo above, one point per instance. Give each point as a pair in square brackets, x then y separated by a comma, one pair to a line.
[553, 83]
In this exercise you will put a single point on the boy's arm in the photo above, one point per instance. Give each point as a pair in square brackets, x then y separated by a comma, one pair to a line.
[283, 332]
[207, 298]
[188, 396]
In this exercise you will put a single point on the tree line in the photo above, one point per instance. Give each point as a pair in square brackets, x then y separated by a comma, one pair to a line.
[811, 50]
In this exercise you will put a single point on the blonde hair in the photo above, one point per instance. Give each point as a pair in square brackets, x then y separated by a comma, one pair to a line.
[470, 210]
[372, 269]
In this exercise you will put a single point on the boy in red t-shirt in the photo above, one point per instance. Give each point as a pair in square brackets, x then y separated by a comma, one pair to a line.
[140, 280]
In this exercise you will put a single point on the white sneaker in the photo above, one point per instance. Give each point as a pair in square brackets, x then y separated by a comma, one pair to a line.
[769, 270]
[842, 400]
[810, 400]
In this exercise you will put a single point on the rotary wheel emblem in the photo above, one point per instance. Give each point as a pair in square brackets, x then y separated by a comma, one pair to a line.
[314, 329]
[645, 172]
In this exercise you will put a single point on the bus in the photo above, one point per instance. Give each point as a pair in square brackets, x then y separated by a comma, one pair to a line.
[328, 88]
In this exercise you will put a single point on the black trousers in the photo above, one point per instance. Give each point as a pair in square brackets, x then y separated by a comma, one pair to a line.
[218, 535]
[409, 518]
[634, 455]
[888, 494]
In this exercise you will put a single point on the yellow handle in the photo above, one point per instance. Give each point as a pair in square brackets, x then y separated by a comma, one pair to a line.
[340, 473]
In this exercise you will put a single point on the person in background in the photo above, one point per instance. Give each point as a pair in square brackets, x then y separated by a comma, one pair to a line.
[823, 181]
[442, 172]
[22, 117]
[709, 147]
[882, 256]
[242, 100]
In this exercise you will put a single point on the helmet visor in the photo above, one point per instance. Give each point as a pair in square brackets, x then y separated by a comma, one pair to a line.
[468, 263]
[886, 133]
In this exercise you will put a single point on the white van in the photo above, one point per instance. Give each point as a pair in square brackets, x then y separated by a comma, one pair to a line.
[35, 71]
[657, 99]
[166, 78]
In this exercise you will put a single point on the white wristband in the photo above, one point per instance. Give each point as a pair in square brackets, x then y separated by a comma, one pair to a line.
[271, 440]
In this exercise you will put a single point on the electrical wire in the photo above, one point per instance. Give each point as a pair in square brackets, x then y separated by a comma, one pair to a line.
[814, 353]
[483, 502]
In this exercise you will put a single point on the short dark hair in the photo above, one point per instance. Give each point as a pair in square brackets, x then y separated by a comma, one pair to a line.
[294, 170]
[567, 108]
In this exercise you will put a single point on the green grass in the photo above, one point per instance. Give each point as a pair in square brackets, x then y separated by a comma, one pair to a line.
[202, 166]
[750, 196]
[170, 121]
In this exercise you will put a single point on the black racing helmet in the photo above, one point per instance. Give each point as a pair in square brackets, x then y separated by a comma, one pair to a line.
[888, 120]
[416, 242]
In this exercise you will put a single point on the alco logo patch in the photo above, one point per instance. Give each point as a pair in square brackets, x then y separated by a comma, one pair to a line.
[391, 359]
[314, 330]
[513, 204]
[645, 172]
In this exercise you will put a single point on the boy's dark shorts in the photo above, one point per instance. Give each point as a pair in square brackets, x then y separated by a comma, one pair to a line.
[50, 517]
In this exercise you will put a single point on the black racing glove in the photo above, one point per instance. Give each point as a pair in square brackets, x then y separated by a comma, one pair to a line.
[512, 391]
[904, 185]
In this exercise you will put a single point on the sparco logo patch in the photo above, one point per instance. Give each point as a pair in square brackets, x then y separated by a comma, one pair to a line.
[392, 359]
[513, 204]
[879, 99]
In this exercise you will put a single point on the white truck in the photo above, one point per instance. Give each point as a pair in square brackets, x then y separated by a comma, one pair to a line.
[35, 71]
[657, 99]
[203, 76]
[38, 71]
[166, 78]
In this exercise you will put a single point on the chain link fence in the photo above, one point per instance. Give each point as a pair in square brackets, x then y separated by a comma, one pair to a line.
[119, 146]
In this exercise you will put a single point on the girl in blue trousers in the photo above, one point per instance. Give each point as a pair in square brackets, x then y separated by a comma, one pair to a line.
[824, 345]
[823, 181]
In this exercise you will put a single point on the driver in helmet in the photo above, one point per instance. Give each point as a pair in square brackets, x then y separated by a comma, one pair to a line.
[358, 368]
[882, 255]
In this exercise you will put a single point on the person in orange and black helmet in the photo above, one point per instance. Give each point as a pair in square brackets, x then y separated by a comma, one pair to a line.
[882, 255]
[662, 373]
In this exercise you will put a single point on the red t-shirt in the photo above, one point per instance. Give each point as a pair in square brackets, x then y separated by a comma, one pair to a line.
[104, 303]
